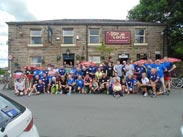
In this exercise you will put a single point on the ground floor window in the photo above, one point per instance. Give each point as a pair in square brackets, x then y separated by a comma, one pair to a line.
[141, 56]
[95, 59]
[36, 61]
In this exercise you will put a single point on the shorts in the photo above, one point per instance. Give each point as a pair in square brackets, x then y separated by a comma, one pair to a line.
[167, 76]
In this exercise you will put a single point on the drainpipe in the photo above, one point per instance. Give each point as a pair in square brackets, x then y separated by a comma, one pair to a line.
[86, 42]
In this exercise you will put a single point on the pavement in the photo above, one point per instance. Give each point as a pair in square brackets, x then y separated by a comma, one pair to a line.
[105, 116]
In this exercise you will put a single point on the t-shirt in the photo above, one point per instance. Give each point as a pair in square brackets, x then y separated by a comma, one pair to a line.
[70, 81]
[45, 80]
[140, 69]
[154, 77]
[61, 71]
[118, 69]
[40, 87]
[109, 71]
[161, 68]
[129, 69]
[80, 83]
[168, 65]
[145, 80]
[130, 82]
[20, 85]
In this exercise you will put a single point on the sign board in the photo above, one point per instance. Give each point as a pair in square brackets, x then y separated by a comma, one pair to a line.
[123, 56]
[117, 37]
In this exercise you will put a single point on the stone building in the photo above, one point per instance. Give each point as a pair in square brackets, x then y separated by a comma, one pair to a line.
[68, 40]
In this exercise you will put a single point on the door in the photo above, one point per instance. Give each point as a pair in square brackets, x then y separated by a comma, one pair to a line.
[68, 59]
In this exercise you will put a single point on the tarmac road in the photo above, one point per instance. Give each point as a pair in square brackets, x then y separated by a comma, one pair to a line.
[105, 116]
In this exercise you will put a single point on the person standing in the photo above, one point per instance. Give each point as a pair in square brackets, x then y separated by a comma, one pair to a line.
[167, 75]
[118, 69]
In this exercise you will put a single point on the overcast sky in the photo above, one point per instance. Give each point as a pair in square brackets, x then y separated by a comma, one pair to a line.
[29, 10]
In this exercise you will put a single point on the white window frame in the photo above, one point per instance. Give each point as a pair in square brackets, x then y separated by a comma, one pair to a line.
[68, 44]
[96, 59]
[34, 64]
[144, 36]
[31, 36]
[89, 42]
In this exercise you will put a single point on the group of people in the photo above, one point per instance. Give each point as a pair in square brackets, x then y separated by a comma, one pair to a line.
[107, 78]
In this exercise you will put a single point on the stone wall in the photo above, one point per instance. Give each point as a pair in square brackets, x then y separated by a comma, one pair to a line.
[18, 42]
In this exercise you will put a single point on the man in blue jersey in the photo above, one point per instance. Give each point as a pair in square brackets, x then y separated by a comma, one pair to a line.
[71, 85]
[62, 71]
[138, 70]
[167, 75]
[160, 70]
[46, 82]
[40, 87]
[155, 82]
[80, 84]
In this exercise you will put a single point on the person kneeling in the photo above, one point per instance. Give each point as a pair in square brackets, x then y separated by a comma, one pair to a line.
[19, 87]
[117, 89]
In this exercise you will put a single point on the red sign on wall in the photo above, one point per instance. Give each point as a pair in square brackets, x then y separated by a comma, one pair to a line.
[117, 37]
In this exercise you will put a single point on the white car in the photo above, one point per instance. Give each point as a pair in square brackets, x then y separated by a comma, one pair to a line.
[15, 119]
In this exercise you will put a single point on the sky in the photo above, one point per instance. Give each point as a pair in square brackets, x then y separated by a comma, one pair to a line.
[32, 10]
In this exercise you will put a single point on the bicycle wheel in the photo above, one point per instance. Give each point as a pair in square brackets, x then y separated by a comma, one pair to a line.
[176, 83]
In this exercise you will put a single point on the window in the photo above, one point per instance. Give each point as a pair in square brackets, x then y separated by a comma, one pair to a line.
[141, 56]
[95, 59]
[68, 35]
[94, 37]
[35, 37]
[37, 61]
[139, 36]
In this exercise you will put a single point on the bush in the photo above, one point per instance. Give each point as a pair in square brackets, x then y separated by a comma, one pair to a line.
[2, 72]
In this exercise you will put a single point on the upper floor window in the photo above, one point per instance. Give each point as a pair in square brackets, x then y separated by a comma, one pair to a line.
[68, 35]
[94, 36]
[35, 36]
[139, 36]
[36, 61]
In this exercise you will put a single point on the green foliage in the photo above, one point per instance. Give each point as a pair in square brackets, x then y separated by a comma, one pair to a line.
[2, 72]
[169, 12]
[104, 50]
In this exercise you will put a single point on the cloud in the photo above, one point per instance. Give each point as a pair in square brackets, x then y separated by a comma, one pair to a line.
[17, 8]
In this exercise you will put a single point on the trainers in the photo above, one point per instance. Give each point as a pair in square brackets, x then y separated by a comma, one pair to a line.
[153, 95]
[117, 96]
[48, 92]
[145, 94]
[69, 93]
[107, 92]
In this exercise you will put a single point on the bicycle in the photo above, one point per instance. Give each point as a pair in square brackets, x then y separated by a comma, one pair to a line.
[177, 82]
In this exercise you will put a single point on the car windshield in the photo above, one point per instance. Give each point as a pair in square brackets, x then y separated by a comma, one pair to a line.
[9, 109]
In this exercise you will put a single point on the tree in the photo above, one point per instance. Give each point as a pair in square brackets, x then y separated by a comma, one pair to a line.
[169, 12]
[104, 50]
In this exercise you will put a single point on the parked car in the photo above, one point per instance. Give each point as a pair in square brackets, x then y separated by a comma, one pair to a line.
[15, 119]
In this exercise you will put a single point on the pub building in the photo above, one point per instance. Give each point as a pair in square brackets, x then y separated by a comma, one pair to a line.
[68, 40]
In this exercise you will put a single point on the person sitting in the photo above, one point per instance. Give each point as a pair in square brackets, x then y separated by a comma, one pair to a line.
[54, 86]
[80, 85]
[104, 84]
[123, 86]
[155, 83]
[40, 87]
[130, 82]
[33, 89]
[71, 84]
[95, 86]
[46, 82]
[144, 84]
[63, 85]
[87, 83]
[19, 87]
[117, 89]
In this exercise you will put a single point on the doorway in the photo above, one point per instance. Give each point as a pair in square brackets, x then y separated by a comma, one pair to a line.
[123, 57]
[68, 59]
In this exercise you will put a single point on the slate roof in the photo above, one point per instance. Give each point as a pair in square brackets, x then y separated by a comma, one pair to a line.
[103, 22]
